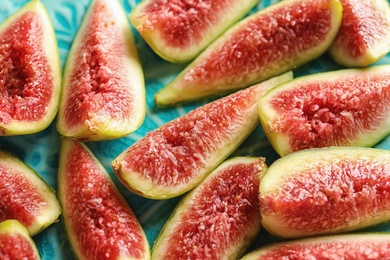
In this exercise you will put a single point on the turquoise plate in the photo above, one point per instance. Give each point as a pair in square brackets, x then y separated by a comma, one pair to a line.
[40, 151]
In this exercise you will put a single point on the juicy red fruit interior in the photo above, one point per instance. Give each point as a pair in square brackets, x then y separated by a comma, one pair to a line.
[321, 114]
[15, 246]
[105, 226]
[25, 79]
[331, 196]
[18, 198]
[96, 86]
[183, 22]
[223, 210]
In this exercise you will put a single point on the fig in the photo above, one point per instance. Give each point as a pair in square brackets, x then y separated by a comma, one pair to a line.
[325, 191]
[219, 218]
[364, 34]
[272, 41]
[103, 91]
[25, 196]
[179, 30]
[15, 242]
[349, 246]
[30, 72]
[178, 155]
[346, 107]
[99, 222]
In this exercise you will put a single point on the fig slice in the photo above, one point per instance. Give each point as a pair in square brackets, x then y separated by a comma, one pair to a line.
[25, 196]
[177, 156]
[99, 222]
[272, 41]
[364, 34]
[326, 190]
[15, 242]
[104, 92]
[348, 246]
[219, 218]
[30, 72]
[348, 107]
[179, 30]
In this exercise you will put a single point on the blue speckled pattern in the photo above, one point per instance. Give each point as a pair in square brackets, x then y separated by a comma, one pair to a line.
[40, 151]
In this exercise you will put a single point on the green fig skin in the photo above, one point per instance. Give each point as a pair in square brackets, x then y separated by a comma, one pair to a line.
[249, 51]
[325, 191]
[343, 246]
[38, 95]
[19, 244]
[103, 95]
[179, 36]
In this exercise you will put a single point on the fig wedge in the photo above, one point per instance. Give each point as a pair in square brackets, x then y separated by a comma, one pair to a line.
[272, 41]
[99, 222]
[174, 158]
[326, 191]
[348, 107]
[350, 246]
[103, 95]
[15, 242]
[179, 30]
[364, 35]
[30, 72]
[25, 196]
[219, 218]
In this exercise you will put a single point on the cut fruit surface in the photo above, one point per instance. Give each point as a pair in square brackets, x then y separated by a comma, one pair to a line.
[326, 190]
[25, 196]
[272, 41]
[179, 30]
[15, 242]
[219, 218]
[364, 35]
[98, 220]
[347, 107]
[30, 73]
[351, 246]
[174, 158]
[104, 93]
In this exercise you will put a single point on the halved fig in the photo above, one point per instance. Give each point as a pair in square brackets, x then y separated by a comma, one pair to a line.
[25, 196]
[219, 218]
[99, 222]
[364, 35]
[349, 246]
[176, 157]
[326, 190]
[274, 40]
[30, 72]
[348, 107]
[104, 93]
[15, 242]
[179, 30]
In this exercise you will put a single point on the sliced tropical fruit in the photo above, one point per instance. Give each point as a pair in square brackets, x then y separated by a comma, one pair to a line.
[176, 157]
[272, 41]
[15, 242]
[219, 218]
[30, 72]
[99, 222]
[349, 246]
[348, 107]
[179, 30]
[364, 35]
[326, 191]
[25, 196]
[104, 92]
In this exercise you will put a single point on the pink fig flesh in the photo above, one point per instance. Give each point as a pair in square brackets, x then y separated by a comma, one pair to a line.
[326, 190]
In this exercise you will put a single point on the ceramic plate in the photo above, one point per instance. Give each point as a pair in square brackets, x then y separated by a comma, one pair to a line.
[40, 151]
